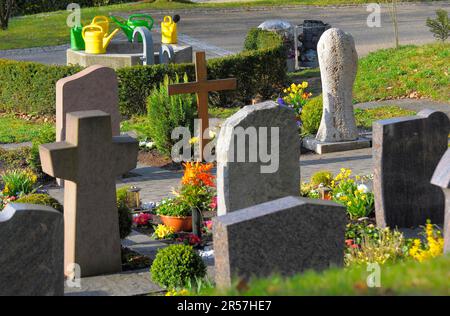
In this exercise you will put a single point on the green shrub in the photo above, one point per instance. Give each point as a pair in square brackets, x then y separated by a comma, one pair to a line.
[174, 207]
[30, 87]
[312, 115]
[47, 135]
[165, 113]
[177, 265]
[440, 27]
[261, 39]
[125, 218]
[16, 158]
[322, 177]
[40, 199]
[18, 182]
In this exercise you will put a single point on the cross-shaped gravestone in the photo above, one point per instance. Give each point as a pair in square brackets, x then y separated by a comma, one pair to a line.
[441, 178]
[202, 87]
[90, 160]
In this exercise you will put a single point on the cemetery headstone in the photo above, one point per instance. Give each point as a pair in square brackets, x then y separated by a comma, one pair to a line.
[406, 152]
[31, 251]
[258, 152]
[338, 65]
[338, 62]
[202, 86]
[441, 178]
[89, 160]
[95, 88]
[285, 236]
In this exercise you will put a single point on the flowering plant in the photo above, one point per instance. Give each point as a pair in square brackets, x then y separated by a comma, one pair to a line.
[198, 186]
[142, 219]
[190, 239]
[355, 196]
[295, 96]
[207, 227]
[163, 232]
[18, 182]
[433, 245]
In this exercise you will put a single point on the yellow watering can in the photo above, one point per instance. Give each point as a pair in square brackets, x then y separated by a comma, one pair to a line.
[169, 31]
[96, 39]
[102, 21]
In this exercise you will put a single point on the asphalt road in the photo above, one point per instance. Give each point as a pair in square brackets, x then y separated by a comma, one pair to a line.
[227, 28]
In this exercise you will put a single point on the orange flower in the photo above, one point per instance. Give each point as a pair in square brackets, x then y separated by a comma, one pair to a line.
[197, 173]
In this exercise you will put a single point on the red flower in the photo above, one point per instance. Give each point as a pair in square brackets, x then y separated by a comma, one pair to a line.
[213, 204]
[194, 240]
[208, 225]
[142, 219]
[349, 242]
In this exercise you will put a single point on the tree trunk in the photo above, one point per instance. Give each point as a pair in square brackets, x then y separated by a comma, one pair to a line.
[6, 7]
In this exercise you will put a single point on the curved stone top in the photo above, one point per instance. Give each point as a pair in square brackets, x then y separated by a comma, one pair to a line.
[441, 176]
[14, 209]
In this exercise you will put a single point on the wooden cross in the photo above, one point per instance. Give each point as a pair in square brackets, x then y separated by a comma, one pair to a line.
[202, 86]
[90, 159]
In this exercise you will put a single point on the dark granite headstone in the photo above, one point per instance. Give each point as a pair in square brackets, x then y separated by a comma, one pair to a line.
[406, 152]
[285, 236]
[31, 251]
[441, 178]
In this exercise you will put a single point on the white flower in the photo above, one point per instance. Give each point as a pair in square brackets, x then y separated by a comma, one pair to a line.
[363, 188]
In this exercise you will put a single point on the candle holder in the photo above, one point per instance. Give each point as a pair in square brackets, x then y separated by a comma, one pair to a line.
[134, 198]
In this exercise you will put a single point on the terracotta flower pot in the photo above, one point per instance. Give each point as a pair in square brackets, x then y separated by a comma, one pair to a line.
[179, 224]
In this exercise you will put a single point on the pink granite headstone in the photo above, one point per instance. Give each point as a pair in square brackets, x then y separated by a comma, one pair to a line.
[95, 88]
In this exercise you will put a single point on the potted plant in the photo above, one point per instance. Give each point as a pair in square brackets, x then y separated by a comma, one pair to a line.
[175, 213]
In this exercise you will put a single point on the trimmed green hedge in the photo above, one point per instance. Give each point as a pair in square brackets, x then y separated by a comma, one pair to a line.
[30, 87]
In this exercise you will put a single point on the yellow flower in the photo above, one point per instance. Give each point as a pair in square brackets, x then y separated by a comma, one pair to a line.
[194, 140]
[304, 84]
[349, 203]
[163, 231]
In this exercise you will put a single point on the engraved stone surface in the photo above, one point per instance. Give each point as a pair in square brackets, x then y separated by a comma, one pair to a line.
[258, 152]
[31, 251]
[406, 152]
[284, 236]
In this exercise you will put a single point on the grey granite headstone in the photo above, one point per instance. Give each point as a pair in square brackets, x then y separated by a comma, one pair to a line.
[406, 152]
[31, 251]
[441, 178]
[256, 179]
[284, 236]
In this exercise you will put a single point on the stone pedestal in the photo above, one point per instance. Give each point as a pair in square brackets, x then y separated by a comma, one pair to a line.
[311, 143]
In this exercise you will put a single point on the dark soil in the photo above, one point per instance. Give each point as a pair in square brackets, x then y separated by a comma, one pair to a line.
[153, 158]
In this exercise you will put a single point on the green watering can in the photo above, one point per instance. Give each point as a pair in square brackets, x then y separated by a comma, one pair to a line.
[76, 39]
[134, 21]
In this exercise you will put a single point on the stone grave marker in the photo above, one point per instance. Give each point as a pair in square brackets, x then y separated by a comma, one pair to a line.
[258, 152]
[31, 251]
[89, 160]
[285, 236]
[406, 152]
[95, 88]
[338, 66]
[441, 178]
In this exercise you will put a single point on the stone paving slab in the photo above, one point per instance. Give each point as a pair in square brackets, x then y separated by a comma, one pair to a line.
[143, 244]
[127, 283]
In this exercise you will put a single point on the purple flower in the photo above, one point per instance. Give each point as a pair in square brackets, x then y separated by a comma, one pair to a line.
[281, 101]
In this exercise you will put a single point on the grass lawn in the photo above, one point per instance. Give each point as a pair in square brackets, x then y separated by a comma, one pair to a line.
[365, 117]
[405, 278]
[49, 29]
[15, 130]
[390, 73]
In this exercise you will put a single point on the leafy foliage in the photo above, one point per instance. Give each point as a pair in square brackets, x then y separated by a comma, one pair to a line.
[311, 116]
[176, 265]
[40, 199]
[125, 218]
[165, 113]
[18, 182]
[174, 207]
[440, 27]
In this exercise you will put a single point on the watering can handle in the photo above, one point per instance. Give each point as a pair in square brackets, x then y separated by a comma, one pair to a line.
[117, 19]
[143, 15]
[101, 18]
[91, 27]
[167, 19]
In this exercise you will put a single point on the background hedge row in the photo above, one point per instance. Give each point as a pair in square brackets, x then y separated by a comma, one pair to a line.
[30, 87]
[24, 7]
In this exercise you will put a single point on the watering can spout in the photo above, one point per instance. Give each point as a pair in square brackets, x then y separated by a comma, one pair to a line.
[107, 39]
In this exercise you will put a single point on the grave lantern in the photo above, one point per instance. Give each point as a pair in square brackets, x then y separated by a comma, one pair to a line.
[134, 198]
